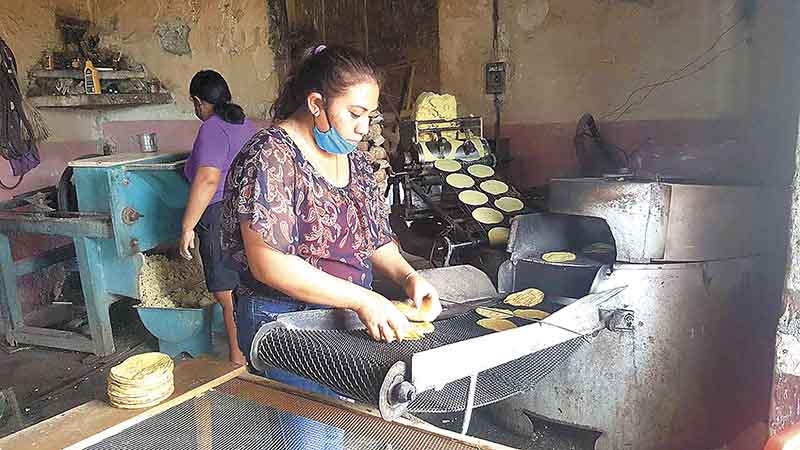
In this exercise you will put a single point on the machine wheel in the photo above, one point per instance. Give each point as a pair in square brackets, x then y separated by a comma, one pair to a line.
[66, 197]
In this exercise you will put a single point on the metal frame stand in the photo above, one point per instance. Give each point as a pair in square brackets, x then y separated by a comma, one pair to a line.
[86, 231]
[473, 381]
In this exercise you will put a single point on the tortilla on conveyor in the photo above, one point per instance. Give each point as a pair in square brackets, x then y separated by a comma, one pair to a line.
[509, 204]
[496, 324]
[460, 181]
[498, 236]
[529, 298]
[493, 313]
[447, 165]
[472, 198]
[480, 171]
[531, 314]
[494, 187]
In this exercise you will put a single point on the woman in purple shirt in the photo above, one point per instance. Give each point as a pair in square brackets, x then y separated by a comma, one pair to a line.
[224, 131]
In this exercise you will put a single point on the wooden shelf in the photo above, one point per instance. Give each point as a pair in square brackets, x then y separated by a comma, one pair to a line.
[78, 74]
[100, 100]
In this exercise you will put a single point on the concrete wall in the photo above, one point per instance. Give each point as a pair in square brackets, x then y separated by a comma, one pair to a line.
[574, 56]
[775, 90]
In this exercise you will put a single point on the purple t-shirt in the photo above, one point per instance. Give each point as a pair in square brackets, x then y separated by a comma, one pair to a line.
[216, 145]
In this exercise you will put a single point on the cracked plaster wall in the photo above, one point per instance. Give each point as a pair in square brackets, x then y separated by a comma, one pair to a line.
[568, 57]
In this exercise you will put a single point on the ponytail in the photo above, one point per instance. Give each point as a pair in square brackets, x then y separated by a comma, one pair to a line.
[209, 86]
[230, 112]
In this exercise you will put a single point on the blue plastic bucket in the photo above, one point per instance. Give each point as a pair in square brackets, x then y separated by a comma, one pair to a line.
[179, 330]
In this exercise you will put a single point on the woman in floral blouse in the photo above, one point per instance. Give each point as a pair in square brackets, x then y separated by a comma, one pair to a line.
[303, 217]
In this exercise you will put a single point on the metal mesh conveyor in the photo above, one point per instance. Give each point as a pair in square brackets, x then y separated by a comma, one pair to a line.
[354, 365]
[239, 415]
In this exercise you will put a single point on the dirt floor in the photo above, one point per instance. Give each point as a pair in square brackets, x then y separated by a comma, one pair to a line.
[46, 382]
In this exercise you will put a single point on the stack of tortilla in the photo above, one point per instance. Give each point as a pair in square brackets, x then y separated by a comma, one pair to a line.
[141, 381]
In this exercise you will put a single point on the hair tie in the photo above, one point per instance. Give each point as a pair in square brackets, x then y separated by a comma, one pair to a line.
[318, 49]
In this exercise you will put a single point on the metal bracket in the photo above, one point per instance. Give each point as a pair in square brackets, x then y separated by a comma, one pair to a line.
[473, 383]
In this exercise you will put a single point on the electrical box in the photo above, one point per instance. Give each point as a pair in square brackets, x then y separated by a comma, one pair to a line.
[496, 78]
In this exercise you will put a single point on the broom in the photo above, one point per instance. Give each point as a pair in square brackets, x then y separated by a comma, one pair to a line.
[39, 126]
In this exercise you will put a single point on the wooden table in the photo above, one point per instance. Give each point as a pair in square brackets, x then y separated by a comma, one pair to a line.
[95, 421]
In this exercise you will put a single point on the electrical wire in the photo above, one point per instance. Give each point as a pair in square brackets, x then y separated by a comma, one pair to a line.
[14, 186]
[627, 105]
[654, 86]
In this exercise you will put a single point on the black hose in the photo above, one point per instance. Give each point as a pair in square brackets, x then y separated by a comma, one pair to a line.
[14, 186]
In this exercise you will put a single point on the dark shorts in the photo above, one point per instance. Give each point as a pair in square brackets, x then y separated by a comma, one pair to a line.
[219, 277]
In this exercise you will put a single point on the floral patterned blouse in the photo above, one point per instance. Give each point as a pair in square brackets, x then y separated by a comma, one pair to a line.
[273, 189]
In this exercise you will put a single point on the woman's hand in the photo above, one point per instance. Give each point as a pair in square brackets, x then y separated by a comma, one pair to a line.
[384, 322]
[423, 294]
[187, 243]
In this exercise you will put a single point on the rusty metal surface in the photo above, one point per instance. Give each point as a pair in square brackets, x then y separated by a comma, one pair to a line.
[714, 222]
[653, 221]
[59, 223]
[635, 212]
[676, 377]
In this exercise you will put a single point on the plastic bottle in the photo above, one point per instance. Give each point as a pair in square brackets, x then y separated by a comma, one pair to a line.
[91, 80]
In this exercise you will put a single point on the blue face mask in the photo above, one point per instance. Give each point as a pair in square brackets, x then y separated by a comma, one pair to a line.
[333, 142]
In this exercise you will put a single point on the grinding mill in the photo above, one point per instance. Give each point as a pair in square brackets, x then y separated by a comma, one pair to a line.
[128, 204]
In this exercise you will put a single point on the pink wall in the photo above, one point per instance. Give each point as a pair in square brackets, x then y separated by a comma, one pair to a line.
[709, 150]
[173, 135]
[54, 158]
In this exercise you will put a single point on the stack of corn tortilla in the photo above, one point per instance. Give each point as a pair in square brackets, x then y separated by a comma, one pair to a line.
[141, 381]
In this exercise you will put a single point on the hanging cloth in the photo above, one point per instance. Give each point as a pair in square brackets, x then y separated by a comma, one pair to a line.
[17, 144]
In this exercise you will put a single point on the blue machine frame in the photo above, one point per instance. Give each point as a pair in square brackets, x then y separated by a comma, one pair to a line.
[129, 203]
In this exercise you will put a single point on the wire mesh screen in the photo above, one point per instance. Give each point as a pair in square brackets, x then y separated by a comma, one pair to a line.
[242, 416]
[354, 365]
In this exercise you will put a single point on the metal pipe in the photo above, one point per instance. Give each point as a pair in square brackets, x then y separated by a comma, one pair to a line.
[473, 382]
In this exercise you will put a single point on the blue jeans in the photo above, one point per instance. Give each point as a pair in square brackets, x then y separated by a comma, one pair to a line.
[299, 433]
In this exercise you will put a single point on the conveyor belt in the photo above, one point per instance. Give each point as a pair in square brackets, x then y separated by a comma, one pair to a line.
[355, 366]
